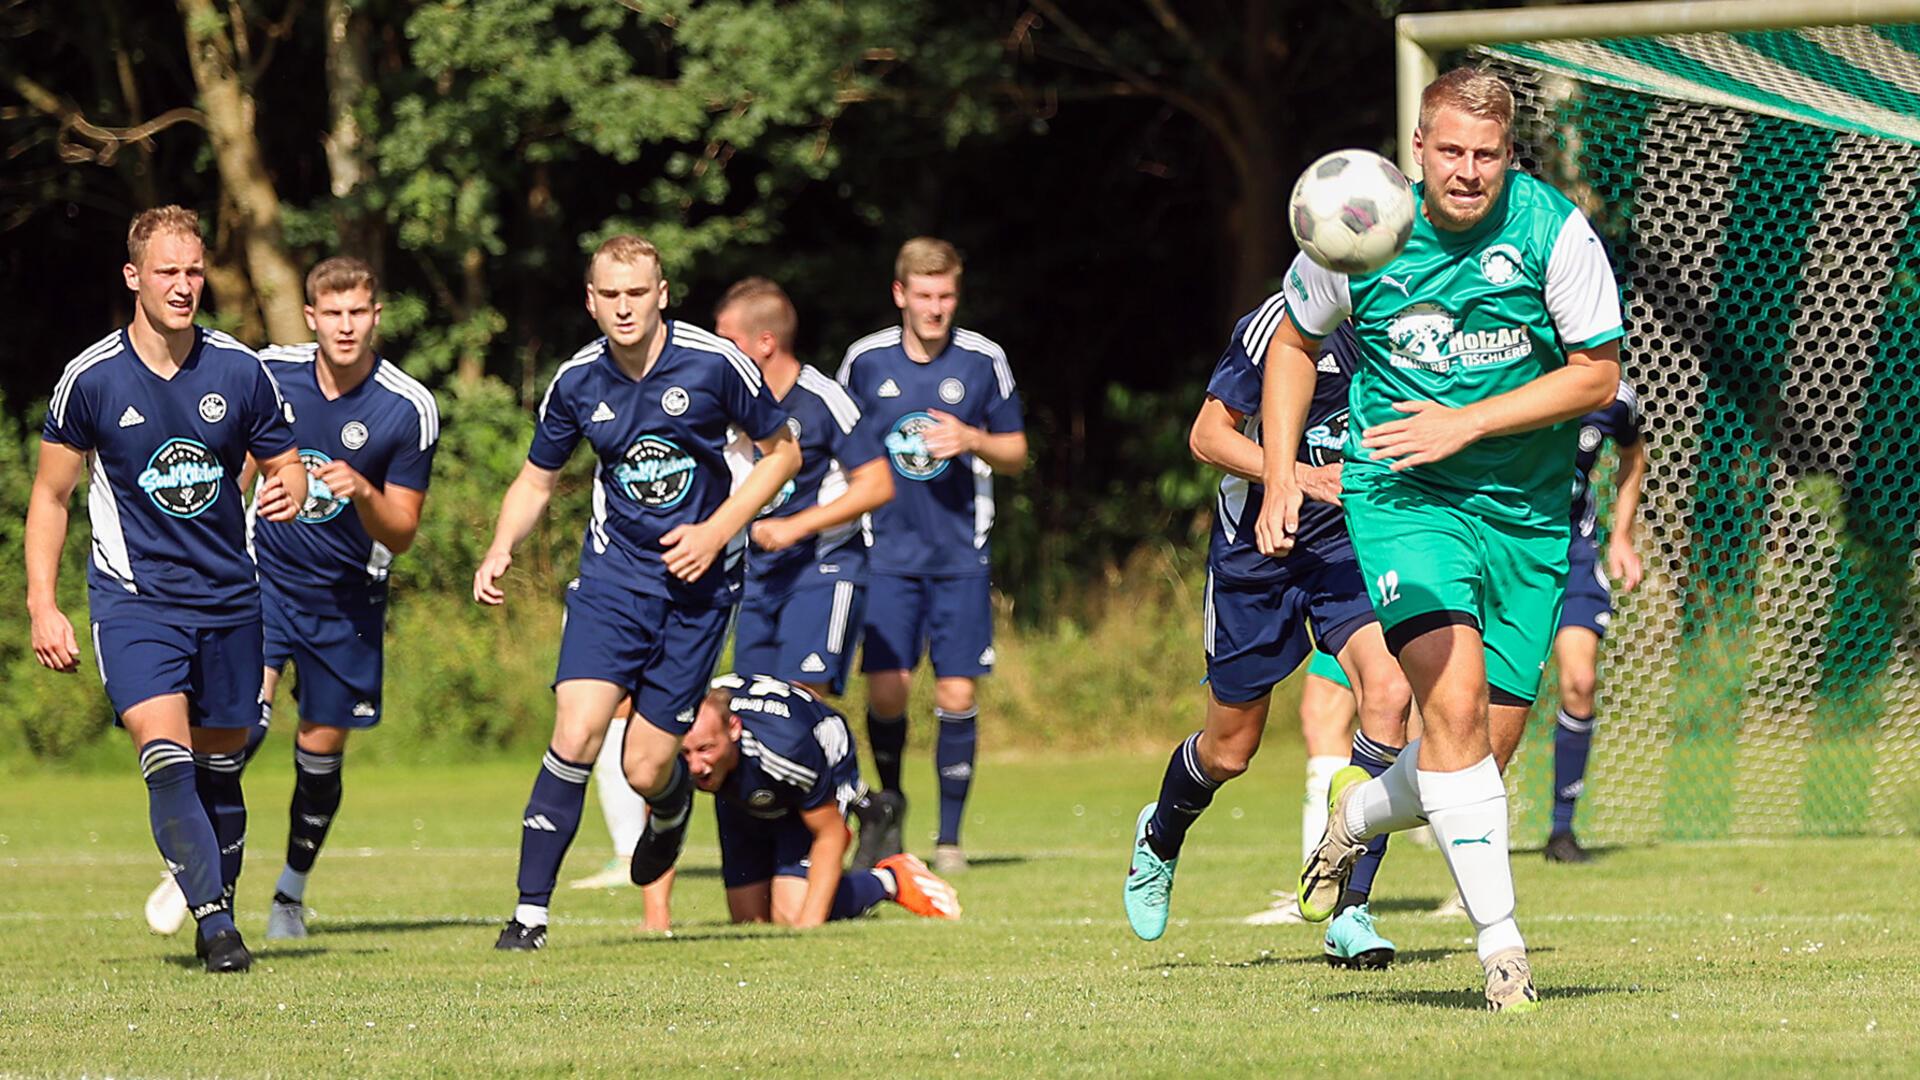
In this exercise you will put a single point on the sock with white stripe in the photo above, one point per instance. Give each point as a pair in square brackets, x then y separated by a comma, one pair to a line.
[1376, 757]
[316, 798]
[624, 809]
[1468, 811]
[670, 807]
[183, 834]
[1572, 742]
[1313, 802]
[1389, 802]
[953, 754]
[217, 779]
[1185, 792]
[547, 828]
[859, 891]
[887, 735]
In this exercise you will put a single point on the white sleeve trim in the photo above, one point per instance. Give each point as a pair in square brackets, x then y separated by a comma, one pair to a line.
[1319, 299]
[1582, 298]
[1259, 333]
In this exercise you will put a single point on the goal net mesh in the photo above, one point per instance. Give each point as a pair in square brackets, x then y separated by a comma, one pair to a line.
[1759, 192]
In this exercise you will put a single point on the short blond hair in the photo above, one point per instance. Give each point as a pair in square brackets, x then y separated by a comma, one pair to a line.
[1472, 90]
[926, 255]
[170, 219]
[764, 308]
[625, 248]
[341, 273]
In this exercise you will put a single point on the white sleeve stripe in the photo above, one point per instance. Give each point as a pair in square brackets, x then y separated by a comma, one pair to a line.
[879, 339]
[779, 767]
[409, 389]
[584, 356]
[1260, 331]
[291, 354]
[974, 341]
[692, 337]
[838, 401]
[103, 349]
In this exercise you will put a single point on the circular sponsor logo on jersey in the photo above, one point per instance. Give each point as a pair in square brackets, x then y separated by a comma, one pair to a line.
[1500, 264]
[907, 447]
[786, 492]
[183, 477]
[1327, 440]
[1420, 335]
[213, 408]
[354, 435]
[952, 390]
[322, 504]
[675, 401]
[1589, 437]
[655, 472]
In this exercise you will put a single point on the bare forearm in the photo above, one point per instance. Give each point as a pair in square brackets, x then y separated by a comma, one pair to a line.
[823, 876]
[869, 489]
[388, 518]
[1004, 453]
[1573, 391]
[774, 469]
[1626, 500]
[1286, 393]
[46, 534]
[291, 472]
[520, 511]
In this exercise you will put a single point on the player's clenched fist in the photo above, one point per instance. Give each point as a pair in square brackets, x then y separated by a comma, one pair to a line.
[273, 502]
[486, 589]
[691, 549]
[53, 642]
[1279, 519]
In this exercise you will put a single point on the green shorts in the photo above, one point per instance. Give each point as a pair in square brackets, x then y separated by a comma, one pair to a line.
[1430, 564]
[1326, 667]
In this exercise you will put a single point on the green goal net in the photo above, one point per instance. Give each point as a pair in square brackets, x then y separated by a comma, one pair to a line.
[1762, 194]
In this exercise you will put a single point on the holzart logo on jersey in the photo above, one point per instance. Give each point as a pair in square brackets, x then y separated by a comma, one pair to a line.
[907, 448]
[1426, 336]
[322, 504]
[655, 472]
[182, 478]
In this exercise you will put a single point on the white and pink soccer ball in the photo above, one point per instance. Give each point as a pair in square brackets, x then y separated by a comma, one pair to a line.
[1352, 211]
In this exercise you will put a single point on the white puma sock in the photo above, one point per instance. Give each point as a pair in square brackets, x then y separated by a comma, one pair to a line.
[624, 809]
[1389, 802]
[1313, 805]
[1468, 811]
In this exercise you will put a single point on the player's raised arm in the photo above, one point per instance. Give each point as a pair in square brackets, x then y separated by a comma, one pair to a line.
[520, 511]
[54, 644]
[1286, 394]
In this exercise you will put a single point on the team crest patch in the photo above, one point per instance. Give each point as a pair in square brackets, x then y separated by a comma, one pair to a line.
[354, 435]
[674, 401]
[1589, 437]
[655, 472]
[322, 504]
[793, 425]
[760, 799]
[213, 408]
[952, 390]
[907, 448]
[1500, 264]
[183, 477]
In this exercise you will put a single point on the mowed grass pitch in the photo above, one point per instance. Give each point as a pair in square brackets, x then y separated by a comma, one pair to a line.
[1795, 958]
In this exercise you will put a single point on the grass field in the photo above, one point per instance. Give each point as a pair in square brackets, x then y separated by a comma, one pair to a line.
[1792, 958]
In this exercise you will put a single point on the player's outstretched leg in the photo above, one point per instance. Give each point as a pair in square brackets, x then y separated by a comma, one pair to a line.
[1185, 792]
[1352, 940]
[317, 790]
[1324, 876]
[547, 829]
[625, 812]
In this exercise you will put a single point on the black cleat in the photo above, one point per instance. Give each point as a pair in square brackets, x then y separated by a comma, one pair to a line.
[1563, 848]
[519, 937]
[224, 952]
[656, 852]
[880, 814]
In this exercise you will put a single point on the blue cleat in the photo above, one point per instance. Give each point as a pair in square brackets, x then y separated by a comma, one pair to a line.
[1149, 890]
[1352, 941]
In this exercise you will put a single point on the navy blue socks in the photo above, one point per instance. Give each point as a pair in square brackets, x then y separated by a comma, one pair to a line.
[183, 834]
[1185, 791]
[953, 759]
[1375, 757]
[888, 737]
[552, 818]
[1572, 742]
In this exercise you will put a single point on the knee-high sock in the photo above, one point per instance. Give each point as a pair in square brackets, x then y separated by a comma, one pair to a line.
[669, 809]
[547, 830]
[1185, 793]
[1468, 811]
[317, 786]
[1313, 803]
[624, 809]
[859, 891]
[1375, 757]
[217, 779]
[887, 735]
[1572, 742]
[1389, 802]
[183, 834]
[953, 759]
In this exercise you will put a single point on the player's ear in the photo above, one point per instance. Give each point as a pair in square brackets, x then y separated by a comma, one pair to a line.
[312, 323]
[376, 315]
[733, 727]
[662, 301]
[899, 295]
[132, 274]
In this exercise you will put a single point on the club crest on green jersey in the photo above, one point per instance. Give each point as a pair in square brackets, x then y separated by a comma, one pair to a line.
[1500, 264]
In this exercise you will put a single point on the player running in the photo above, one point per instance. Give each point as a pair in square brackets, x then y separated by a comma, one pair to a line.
[781, 766]
[1589, 606]
[655, 398]
[1499, 323]
[164, 414]
[1257, 614]
[945, 398]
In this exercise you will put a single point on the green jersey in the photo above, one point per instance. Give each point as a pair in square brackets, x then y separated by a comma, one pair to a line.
[1461, 317]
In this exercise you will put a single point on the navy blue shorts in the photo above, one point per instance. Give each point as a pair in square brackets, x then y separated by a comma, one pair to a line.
[217, 667]
[755, 849]
[806, 636]
[1589, 603]
[1256, 635]
[660, 651]
[338, 660]
[949, 618]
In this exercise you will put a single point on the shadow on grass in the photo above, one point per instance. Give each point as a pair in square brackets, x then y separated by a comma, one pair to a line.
[268, 955]
[391, 926]
[1403, 905]
[975, 862]
[1314, 959]
[1598, 851]
[1473, 1000]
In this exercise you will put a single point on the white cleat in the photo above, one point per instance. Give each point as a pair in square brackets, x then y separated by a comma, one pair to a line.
[1284, 911]
[1510, 982]
[286, 921]
[617, 874]
[166, 906]
[949, 860]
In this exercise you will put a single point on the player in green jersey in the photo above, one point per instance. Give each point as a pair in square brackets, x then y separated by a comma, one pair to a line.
[1497, 325]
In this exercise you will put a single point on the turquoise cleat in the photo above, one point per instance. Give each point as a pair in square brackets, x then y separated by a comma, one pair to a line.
[1352, 941]
[1149, 890]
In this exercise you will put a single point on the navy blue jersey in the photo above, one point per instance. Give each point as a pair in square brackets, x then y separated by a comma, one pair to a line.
[1236, 383]
[169, 528]
[387, 428]
[941, 514]
[796, 753]
[834, 441]
[1620, 422]
[661, 445]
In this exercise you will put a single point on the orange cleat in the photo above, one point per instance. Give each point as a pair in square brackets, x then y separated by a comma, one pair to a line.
[919, 889]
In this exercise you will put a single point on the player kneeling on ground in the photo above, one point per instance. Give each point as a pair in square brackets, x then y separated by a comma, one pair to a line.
[783, 774]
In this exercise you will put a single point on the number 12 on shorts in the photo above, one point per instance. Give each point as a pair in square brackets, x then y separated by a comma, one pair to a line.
[1389, 584]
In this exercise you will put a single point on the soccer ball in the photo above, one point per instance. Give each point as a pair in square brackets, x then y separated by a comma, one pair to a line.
[1352, 211]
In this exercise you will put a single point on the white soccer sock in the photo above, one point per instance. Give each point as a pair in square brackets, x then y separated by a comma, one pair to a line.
[1389, 802]
[530, 914]
[1468, 811]
[1313, 805]
[624, 809]
[292, 882]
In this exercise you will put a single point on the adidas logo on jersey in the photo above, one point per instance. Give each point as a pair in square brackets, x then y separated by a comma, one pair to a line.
[888, 389]
[601, 414]
[813, 663]
[131, 417]
[1327, 364]
[539, 823]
